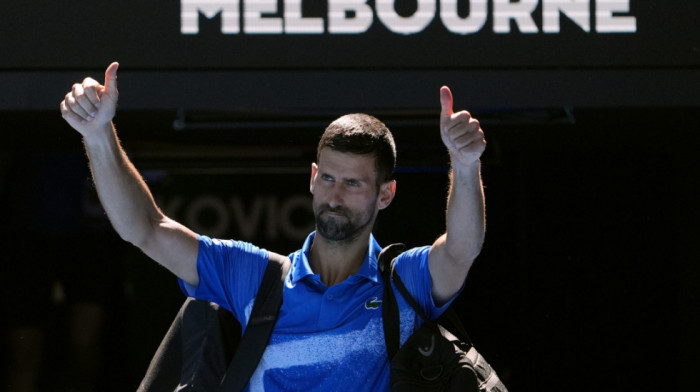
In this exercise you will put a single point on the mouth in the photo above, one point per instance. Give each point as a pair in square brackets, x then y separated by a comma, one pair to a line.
[334, 212]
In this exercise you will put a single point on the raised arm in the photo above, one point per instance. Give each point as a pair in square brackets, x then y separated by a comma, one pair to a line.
[89, 108]
[453, 253]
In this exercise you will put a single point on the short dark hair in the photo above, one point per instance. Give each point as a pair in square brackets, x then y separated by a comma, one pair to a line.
[362, 134]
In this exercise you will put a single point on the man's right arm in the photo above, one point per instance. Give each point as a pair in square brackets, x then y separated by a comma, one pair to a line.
[89, 108]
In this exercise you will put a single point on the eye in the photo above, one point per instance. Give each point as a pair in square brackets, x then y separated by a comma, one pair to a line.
[326, 177]
[352, 183]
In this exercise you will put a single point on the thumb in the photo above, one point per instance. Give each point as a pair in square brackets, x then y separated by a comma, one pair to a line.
[111, 79]
[445, 102]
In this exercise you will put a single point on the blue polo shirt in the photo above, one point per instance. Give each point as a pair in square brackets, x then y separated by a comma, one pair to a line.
[326, 338]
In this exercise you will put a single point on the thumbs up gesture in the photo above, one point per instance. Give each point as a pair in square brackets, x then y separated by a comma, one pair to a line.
[90, 105]
[460, 132]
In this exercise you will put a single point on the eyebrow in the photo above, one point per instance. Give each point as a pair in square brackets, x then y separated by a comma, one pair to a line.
[344, 179]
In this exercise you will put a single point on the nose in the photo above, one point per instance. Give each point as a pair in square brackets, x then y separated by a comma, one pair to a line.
[335, 196]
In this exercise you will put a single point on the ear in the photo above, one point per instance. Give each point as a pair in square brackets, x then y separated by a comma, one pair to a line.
[314, 170]
[387, 191]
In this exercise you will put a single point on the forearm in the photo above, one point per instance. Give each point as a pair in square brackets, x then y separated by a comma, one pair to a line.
[466, 218]
[453, 253]
[89, 109]
[121, 189]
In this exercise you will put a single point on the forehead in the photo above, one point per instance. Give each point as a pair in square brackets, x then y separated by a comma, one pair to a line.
[347, 165]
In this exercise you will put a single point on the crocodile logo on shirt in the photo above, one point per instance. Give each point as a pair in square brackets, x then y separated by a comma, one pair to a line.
[373, 303]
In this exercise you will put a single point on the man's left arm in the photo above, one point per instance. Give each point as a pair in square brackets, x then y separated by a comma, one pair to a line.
[453, 253]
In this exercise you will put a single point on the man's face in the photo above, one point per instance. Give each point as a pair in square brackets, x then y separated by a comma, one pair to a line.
[345, 195]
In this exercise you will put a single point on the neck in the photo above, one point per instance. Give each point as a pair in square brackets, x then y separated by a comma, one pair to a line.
[336, 261]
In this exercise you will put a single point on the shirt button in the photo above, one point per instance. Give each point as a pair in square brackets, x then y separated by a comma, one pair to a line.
[330, 296]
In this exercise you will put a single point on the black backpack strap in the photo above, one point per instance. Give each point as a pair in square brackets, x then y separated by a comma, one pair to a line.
[449, 315]
[390, 309]
[259, 329]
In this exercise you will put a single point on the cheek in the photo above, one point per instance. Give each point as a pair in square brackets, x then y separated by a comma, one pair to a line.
[369, 203]
[316, 199]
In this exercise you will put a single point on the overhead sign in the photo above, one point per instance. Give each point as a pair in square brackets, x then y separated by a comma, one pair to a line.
[349, 34]
[358, 16]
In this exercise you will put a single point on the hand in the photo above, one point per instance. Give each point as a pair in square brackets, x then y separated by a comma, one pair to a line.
[460, 132]
[90, 105]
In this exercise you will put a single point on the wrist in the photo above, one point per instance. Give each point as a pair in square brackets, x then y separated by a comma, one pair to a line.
[462, 168]
[99, 135]
[466, 174]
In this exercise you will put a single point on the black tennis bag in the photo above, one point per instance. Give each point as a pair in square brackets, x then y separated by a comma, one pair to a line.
[433, 358]
[203, 350]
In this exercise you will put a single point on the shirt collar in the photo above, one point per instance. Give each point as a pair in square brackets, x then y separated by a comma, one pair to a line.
[368, 269]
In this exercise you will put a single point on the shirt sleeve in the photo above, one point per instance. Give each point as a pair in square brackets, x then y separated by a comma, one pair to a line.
[230, 273]
[412, 267]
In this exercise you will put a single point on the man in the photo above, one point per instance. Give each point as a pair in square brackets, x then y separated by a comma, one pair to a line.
[329, 332]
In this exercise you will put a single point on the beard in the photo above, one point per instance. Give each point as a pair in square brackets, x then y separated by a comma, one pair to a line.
[343, 225]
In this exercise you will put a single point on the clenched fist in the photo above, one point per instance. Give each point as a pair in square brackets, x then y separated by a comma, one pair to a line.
[461, 133]
[90, 106]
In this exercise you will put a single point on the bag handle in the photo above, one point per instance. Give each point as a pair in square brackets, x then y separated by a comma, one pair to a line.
[262, 320]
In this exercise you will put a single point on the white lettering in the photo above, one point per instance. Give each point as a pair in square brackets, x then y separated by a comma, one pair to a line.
[190, 10]
[257, 19]
[349, 16]
[607, 22]
[357, 16]
[295, 23]
[520, 12]
[406, 24]
[478, 13]
[577, 10]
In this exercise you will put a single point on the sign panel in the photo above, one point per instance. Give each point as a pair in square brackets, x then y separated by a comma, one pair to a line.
[349, 34]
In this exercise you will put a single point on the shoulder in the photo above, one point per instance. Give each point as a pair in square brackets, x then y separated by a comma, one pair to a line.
[414, 258]
[413, 268]
[228, 250]
[230, 273]
[230, 263]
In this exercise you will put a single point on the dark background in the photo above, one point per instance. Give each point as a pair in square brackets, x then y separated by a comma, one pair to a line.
[588, 276]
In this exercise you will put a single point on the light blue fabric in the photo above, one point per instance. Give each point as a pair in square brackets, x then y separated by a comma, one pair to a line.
[326, 338]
